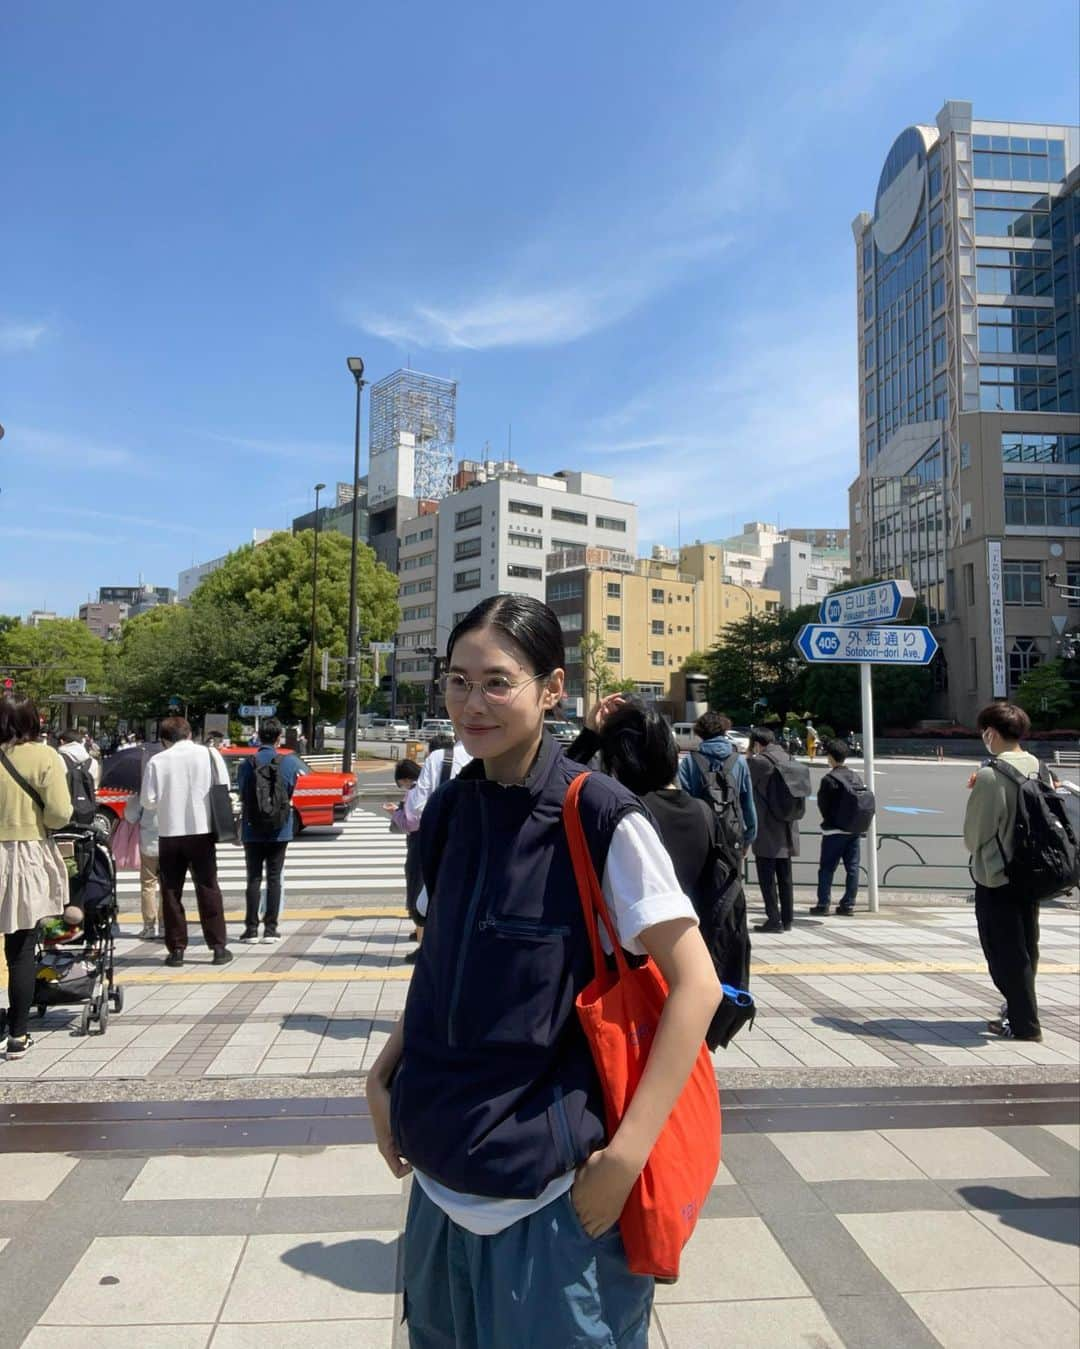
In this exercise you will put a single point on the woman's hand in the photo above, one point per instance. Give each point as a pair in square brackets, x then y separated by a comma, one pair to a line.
[389, 807]
[601, 1190]
[599, 713]
[378, 1099]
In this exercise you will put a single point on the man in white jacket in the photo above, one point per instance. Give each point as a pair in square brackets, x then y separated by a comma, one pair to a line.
[177, 784]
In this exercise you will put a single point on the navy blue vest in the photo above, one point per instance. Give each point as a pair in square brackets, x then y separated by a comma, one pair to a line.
[496, 1093]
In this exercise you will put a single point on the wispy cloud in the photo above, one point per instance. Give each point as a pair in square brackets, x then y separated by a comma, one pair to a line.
[15, 336]
[142, 521]
[59, 448]
[56, 535]
[307, 451]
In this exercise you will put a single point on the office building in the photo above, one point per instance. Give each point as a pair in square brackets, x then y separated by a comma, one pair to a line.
[790, 562]
[138, 598]
[103, 620]
[415, 642]
[36, 617]
[191, 577]
[969, 434]
[337, 518]
[497, 534]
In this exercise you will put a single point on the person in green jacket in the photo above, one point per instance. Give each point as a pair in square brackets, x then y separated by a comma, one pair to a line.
[1008, 920]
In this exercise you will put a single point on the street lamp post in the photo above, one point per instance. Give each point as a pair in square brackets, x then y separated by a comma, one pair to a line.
[319, 487]
[356, 369]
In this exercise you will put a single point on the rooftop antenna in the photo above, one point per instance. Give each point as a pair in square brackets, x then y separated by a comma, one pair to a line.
[678, 529]
[509, 440]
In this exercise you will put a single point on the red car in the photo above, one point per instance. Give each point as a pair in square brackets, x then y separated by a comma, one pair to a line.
[319, 798]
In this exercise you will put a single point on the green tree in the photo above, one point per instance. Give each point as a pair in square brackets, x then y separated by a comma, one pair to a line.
[42, 657]
[1045, 694]
[753, 660]
[600, 679]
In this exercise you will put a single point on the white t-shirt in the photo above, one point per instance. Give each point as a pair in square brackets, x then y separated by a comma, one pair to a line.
[641, 890]
[177, 782]
[430, 778]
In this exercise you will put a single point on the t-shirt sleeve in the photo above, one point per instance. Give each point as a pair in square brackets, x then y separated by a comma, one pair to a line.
[640, 884]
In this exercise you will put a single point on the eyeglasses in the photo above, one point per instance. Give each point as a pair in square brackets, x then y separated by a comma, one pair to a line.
[496, 689]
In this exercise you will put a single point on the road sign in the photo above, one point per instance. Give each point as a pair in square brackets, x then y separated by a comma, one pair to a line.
[879, 603]
[872, 646]
[258, 709]
[76, 684]
[383, 648]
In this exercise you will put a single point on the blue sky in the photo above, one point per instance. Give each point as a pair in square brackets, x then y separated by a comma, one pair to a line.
[625, 229]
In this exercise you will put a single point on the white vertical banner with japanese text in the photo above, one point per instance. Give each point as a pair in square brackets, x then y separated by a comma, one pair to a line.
[998, 662]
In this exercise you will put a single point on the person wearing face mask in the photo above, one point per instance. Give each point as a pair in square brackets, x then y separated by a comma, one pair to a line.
[1008, 921]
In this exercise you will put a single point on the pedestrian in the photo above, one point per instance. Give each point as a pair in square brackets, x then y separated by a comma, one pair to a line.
[777, 838]
[34, 798]
[80, 778]
[177, 784]
[511, 1233]
[711, 728]
[844, 802]
[406, 772]
[149, 866]
[1008, 921]
[811, 739]
[266, 781]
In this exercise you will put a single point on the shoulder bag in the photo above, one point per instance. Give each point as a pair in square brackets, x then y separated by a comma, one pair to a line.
[219, 806]
[32, 792]
[619, 1012]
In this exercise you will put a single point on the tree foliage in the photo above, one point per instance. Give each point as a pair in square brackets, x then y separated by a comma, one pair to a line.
[600, 678]
[1045, 694]
[42, 657]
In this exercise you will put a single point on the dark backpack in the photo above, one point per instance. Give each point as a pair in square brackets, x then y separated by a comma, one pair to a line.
[1045, 859]
[446, 767]
[855, 805]
[83, 798]
[268, 802]
[720, 792]
[786, 790]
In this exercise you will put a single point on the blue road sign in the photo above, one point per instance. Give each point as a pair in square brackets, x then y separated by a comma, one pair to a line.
[879, 603]
[257, 709]
[874, 646]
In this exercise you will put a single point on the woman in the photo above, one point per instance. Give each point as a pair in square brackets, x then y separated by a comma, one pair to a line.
[34, 798]
[149, 866]
[486, 1089]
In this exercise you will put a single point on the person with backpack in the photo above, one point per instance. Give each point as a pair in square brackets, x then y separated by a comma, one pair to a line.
[80, 778]
[1022, 850]
[781, 787]
[486, 1088]
[266, 781]
[718, 775]
[847, 807]
[406, 772]
[34, 799]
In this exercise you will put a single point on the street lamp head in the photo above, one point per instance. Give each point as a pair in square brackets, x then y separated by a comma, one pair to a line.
[320, 487]
[356, 366]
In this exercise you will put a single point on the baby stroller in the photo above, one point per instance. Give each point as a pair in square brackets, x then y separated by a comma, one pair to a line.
[75, 952]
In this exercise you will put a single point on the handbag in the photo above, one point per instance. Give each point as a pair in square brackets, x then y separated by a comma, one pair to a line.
[219, 806]
[619, 1012]
[125, 846]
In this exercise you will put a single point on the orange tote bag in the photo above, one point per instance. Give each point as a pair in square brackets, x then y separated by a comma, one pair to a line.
[619, 1012]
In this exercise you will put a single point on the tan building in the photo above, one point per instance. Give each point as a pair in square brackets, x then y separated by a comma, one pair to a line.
[650, 612]
[103, 620]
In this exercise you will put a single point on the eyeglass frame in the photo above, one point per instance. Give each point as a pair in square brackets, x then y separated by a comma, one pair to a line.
[470, 684]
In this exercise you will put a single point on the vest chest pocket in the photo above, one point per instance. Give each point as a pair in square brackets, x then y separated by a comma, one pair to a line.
[515, 990]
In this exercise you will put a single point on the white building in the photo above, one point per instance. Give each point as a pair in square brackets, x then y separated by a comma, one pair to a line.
[191, 577]
[763, 555]
[495, 535]
[417, 570]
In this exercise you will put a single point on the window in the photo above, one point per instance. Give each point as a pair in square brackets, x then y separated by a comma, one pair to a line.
[1018, 388]
[417, 611]
[525, 540]
[571, 622]
[421, 560]
[562, 545]
[459, 617]
[565, 590]
[524, 573]
[969, 583]
[467, 548]
[1023, 448]
[532, 508]
[973, 663]
[614, 590]
[609, 522]
[467, 580]
[1072, 581]
[1012, 215]
[657, 597]
[658, 627]
[569, 517]
[614, 623]
[419, 537]
[466, 519]
[656, 657]
[1013, 271]
[573, 655]
[1018, 159]
[1005, 328]
[614, 653]
[1022, 582]
[1024, 655]
[1043, 500]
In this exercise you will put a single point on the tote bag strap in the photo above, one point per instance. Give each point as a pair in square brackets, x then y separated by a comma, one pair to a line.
[590, 891]
[213, 769]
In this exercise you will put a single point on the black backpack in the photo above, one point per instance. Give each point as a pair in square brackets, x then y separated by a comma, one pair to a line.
[268, 802]
[83, 798]
[1045, 859]
[720, 792]
[446, 767]
[786, 790]
[855, 806]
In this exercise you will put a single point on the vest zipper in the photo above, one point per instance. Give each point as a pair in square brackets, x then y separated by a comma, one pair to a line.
[563, 1124]
[514, 927]
[470, 923]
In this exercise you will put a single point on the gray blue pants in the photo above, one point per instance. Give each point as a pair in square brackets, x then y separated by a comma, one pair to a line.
[543, 1283]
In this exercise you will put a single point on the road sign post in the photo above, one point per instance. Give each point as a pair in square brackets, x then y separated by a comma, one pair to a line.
[848, 635]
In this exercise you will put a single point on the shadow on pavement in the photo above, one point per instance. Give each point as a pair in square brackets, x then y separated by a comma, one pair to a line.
[941, 1034]
[360, 1265]
[1051, 1219]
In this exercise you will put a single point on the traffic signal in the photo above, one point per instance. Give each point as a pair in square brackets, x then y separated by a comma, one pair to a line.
[386, 684]
[9, 685]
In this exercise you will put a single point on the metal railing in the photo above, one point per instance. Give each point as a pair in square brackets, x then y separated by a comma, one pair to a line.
[906, 841]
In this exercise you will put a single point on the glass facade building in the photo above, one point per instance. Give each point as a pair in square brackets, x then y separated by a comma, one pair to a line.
[968, 283]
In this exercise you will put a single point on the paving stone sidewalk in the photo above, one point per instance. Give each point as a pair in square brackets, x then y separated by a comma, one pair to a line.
[900, 992]
[843, 1238]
